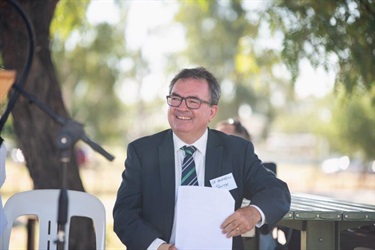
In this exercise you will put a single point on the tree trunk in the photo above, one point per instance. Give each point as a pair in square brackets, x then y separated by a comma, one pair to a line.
[35, 130]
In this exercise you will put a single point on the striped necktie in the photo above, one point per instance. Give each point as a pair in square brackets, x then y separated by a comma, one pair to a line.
[189, 175]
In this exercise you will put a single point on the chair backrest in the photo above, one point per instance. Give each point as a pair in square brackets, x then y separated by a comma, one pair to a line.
[43, 204]
[270, 166]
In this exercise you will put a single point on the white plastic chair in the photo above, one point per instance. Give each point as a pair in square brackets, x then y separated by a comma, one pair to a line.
[43, 203]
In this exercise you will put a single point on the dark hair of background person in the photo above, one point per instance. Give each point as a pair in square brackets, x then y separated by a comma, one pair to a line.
[238, 128]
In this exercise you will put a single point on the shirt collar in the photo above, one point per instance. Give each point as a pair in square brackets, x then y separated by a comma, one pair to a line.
[200, 144]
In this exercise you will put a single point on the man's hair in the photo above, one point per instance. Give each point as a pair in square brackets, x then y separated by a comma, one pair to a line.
[200, 73]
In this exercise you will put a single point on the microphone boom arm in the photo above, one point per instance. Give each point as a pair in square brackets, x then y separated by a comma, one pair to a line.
[74, 128]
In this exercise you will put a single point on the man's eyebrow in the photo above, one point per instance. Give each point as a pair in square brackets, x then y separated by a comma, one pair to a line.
[195, 97]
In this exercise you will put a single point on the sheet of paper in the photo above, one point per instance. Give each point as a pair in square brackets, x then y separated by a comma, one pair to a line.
[200, 212]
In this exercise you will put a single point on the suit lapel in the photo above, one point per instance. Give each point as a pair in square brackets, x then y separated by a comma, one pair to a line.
[213, 158]
[167, 178]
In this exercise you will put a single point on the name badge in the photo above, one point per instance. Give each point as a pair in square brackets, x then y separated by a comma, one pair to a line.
[225, 182]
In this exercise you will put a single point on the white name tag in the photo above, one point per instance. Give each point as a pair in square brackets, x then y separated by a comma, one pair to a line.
[225, 182]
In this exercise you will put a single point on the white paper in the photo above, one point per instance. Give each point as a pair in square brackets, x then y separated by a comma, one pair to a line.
[200, 212]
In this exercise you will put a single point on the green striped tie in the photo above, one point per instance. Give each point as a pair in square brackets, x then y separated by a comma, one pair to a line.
[189, 175]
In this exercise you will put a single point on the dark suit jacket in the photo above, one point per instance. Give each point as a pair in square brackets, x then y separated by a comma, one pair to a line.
[144, 208]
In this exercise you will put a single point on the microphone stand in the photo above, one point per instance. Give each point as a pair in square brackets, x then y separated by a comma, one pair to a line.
[70, 133]
[64, 142]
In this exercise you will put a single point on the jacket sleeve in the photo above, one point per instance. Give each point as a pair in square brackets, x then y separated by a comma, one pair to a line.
[265, 190]
[130, 227]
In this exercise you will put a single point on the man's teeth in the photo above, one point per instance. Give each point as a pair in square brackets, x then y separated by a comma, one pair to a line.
[183, 118]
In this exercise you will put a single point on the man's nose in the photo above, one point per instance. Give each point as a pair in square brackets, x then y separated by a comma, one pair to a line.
[183, 104]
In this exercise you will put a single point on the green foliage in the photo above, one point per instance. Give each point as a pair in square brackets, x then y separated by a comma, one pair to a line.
[95, 68]
[221, 38]
[344, 31]
[226, 37]
[329, 31]
[351, 129]
[68, 16]
[87, 59]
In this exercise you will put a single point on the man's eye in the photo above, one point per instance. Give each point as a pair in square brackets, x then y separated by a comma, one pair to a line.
[193, 101]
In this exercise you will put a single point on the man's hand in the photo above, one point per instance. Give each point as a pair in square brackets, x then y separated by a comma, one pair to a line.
[166, 246]
[241, 221]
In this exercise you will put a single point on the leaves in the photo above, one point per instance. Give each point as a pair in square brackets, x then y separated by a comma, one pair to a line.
[319, 29]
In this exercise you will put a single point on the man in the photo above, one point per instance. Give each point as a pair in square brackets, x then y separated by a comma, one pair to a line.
[144, 211]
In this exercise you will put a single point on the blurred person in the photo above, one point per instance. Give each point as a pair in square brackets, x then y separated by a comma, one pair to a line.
[235, 127]
[266, 241]
[144, 210]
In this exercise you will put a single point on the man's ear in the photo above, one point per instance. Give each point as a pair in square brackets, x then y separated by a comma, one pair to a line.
[214, 109]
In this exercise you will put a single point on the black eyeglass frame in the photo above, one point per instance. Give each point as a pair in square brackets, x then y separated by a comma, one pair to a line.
[200, 101]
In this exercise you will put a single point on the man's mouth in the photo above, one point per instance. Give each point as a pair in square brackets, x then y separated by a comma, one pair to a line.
[183, 118]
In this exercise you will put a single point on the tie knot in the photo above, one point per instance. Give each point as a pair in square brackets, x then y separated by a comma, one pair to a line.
[189, 150]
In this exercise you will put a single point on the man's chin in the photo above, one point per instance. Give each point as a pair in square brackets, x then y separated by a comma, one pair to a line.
[183, 125]
[181, 130]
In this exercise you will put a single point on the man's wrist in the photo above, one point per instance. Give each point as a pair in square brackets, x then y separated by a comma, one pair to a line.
[155, 245]
[262, 220]
[165, 246]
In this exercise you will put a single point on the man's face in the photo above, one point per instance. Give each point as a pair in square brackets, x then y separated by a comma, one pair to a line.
[190, 124]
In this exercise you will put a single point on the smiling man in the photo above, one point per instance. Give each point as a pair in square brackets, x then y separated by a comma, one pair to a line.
[190, 153]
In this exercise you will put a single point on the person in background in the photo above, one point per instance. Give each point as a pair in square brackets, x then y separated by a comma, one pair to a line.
[235, 127]
[144, 210]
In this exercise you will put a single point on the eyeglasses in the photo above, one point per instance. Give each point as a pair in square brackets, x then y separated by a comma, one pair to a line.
[191, 102]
